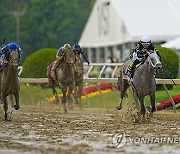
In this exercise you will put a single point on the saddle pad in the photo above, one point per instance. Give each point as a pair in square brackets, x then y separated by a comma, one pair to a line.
[51, 66]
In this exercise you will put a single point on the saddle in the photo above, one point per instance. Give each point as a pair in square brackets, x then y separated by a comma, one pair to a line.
[127, 70]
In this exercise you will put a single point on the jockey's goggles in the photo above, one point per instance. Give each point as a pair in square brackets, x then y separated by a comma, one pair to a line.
[145, 44]
[13, 49]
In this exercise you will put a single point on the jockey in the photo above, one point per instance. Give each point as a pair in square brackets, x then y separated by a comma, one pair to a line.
[139, 54]
[4, 52]
[78, 50]
[59, 57]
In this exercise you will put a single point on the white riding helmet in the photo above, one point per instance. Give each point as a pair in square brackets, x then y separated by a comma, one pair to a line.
[145, 41]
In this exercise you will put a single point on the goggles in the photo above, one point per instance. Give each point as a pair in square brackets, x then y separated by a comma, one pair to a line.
[145, 44]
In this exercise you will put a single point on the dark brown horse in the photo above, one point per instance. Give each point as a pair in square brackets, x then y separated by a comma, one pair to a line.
[143, 81]
[9, 83]
[64, 76]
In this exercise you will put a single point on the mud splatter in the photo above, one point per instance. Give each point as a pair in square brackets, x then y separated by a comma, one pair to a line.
[35, 129]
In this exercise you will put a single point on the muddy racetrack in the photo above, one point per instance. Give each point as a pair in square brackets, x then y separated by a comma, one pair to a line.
[35, 129]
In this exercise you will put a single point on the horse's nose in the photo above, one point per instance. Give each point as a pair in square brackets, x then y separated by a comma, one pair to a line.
[159, 66]
[71, 60]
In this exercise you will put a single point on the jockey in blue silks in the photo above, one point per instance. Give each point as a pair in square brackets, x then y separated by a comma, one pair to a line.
[7, 49]
[78, 50]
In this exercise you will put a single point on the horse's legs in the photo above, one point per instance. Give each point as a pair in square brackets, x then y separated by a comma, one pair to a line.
[52, 85]
[152, 99]
[123, 92]
[70, 102]
[80, 86]
[5, 107]
[136, 99]
[64, 90]
[73, 86]
[11, 99]
[55, 94]
[16, 95]
[141, 100]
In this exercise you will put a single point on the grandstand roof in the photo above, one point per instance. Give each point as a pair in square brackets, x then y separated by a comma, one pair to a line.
[114, 22]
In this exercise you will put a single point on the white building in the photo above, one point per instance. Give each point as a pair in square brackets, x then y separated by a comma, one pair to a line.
[114, 26]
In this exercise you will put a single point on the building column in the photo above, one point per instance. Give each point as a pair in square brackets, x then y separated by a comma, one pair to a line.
[123, 51]
[115, 54]
[105, 54]
[97, 55]
[89, 54]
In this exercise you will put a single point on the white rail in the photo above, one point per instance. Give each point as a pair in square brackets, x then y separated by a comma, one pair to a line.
[95, 80]
[99, 79]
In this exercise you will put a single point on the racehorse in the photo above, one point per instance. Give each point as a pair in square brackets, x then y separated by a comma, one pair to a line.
[143, 81]
[64, 76]
[9, 83]
[78, 77]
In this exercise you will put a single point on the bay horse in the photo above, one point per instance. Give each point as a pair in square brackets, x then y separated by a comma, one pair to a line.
[143, 81]
[64, 76]
[9, 83]
[78, 77]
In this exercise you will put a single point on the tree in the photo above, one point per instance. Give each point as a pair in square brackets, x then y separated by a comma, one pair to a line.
[35, 65]
[44, 23]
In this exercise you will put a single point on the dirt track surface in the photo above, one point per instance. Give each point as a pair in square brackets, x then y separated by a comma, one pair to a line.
[49, 130]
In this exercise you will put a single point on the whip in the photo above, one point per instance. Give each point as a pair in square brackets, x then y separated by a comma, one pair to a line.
[169, 77]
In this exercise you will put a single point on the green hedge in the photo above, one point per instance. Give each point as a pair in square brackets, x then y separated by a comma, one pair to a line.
[170, 62]
[35, 65]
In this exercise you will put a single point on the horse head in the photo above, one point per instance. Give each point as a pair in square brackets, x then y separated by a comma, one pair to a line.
[13, 59]
[69, 56]
[154, 60]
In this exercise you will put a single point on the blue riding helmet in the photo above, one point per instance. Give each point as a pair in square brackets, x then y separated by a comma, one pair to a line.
[76, 46]
[13, 46]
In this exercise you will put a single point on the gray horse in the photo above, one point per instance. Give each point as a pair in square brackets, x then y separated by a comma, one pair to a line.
[9, 83]
[64, 76]
[143, 81]
[78, 74]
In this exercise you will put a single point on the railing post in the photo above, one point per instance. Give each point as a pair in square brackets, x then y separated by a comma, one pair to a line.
[172, 101]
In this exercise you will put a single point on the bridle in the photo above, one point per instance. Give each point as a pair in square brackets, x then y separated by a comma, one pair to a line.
[150, 62]
[13, 61]
[68, 59]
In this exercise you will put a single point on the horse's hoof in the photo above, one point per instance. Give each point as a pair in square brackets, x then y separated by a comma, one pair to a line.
[16, 107]
[77, 102]
[57, 101]
[118, 108]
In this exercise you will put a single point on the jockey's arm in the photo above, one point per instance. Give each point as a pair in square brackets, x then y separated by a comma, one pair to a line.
[59, 58]
[4, 49]
[85, 57]
[20, 53]
[131, 54]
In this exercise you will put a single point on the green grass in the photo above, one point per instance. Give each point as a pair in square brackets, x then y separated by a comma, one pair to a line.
[162, 95]
[37, 96]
